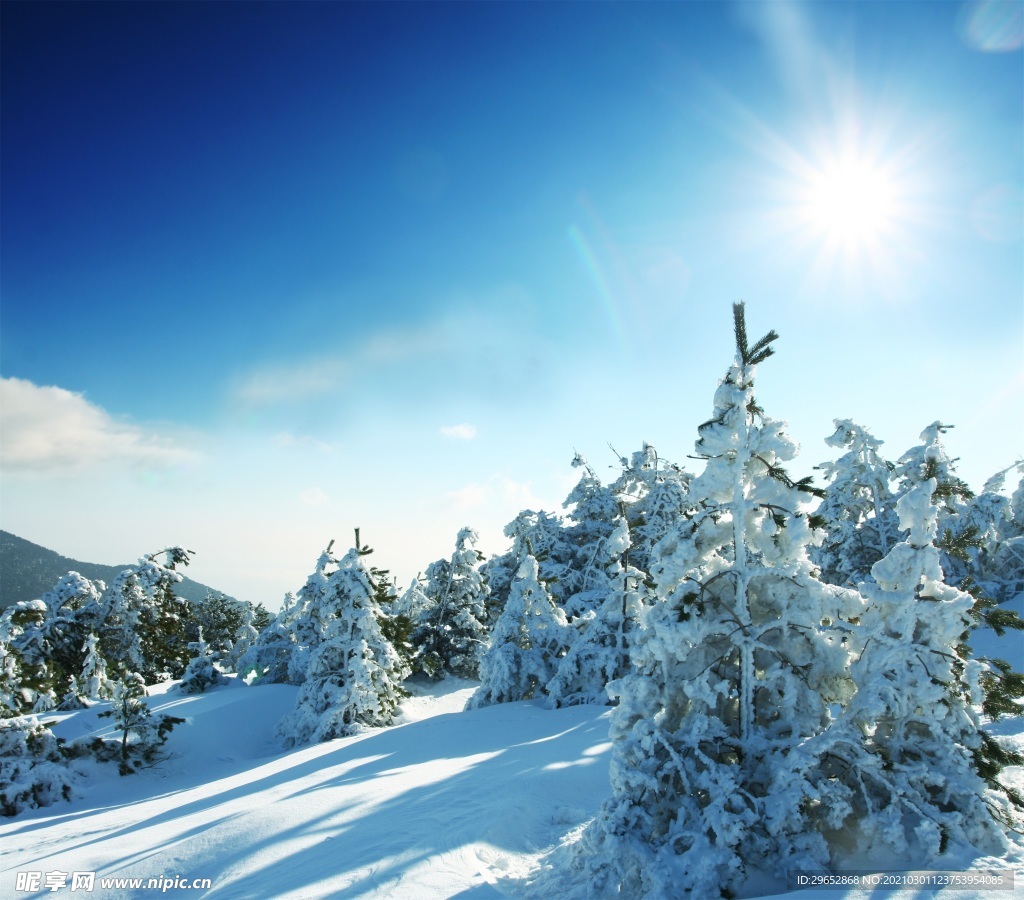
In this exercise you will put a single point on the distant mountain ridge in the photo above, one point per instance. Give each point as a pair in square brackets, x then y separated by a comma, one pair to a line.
[28, 571]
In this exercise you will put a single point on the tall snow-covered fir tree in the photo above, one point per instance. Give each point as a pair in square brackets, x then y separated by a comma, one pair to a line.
[354, 675]
[733, 669]
[529, 639]
[452, 636]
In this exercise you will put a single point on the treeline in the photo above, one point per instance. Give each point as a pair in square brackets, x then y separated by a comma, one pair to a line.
[791, 664]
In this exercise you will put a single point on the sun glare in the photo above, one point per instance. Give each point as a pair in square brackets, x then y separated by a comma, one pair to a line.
[850, 202]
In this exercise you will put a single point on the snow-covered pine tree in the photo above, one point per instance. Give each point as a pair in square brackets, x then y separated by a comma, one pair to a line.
[952, 495]
[12, 696]
[72, 613]
[996, 565]
[658, 496]
[593, 508]
[354, 676]
[599, 654]
[202, 671]
[220, 619]
[452, 635]
[966, 536]
[544, 536]
[528, 641]
[268, 659]
[242, 640]
[310, 615]
[92, 682]
[141, 734]
[988, 569]
[34, 770]
[27, 653]
[733, 670]
[395, 625]
[414, 602]
[163, 616]
[119, 627]
[906, 744]
[142, 620]
[858, 511]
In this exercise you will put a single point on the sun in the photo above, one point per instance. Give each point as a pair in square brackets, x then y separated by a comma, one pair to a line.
[850, 202]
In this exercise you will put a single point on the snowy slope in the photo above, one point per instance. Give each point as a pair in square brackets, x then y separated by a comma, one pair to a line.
[445, 804]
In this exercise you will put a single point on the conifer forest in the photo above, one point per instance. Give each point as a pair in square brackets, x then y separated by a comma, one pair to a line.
[794, 657]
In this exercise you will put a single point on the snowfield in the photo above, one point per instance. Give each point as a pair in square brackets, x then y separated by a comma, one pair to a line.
[447, 803]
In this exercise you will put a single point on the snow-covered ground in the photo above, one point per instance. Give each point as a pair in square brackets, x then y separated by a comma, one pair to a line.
[445, 804]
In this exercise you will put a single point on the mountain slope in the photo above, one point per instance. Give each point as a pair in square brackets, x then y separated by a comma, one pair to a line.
[28, 570]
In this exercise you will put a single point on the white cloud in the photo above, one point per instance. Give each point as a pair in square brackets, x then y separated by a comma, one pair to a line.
[50, 429]
[287, 440]
[463, 432]
[471, 496]
[316, 496]
[514, 495]
[289, 383]
[520, 495]
[280, 384]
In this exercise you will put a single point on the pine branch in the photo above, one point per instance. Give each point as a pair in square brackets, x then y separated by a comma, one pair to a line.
[750, 356]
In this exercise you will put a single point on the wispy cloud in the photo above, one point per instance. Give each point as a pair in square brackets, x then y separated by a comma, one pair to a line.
[48, 429]
[471, 496]
[273, 385]
[288, 440]
[512, 494]
[463, 432]
[315, 496]
[351, 366]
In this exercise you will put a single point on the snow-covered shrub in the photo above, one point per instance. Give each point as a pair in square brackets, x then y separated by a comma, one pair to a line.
[33, 768]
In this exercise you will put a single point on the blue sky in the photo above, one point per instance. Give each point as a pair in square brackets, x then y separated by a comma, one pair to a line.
[272, 271]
